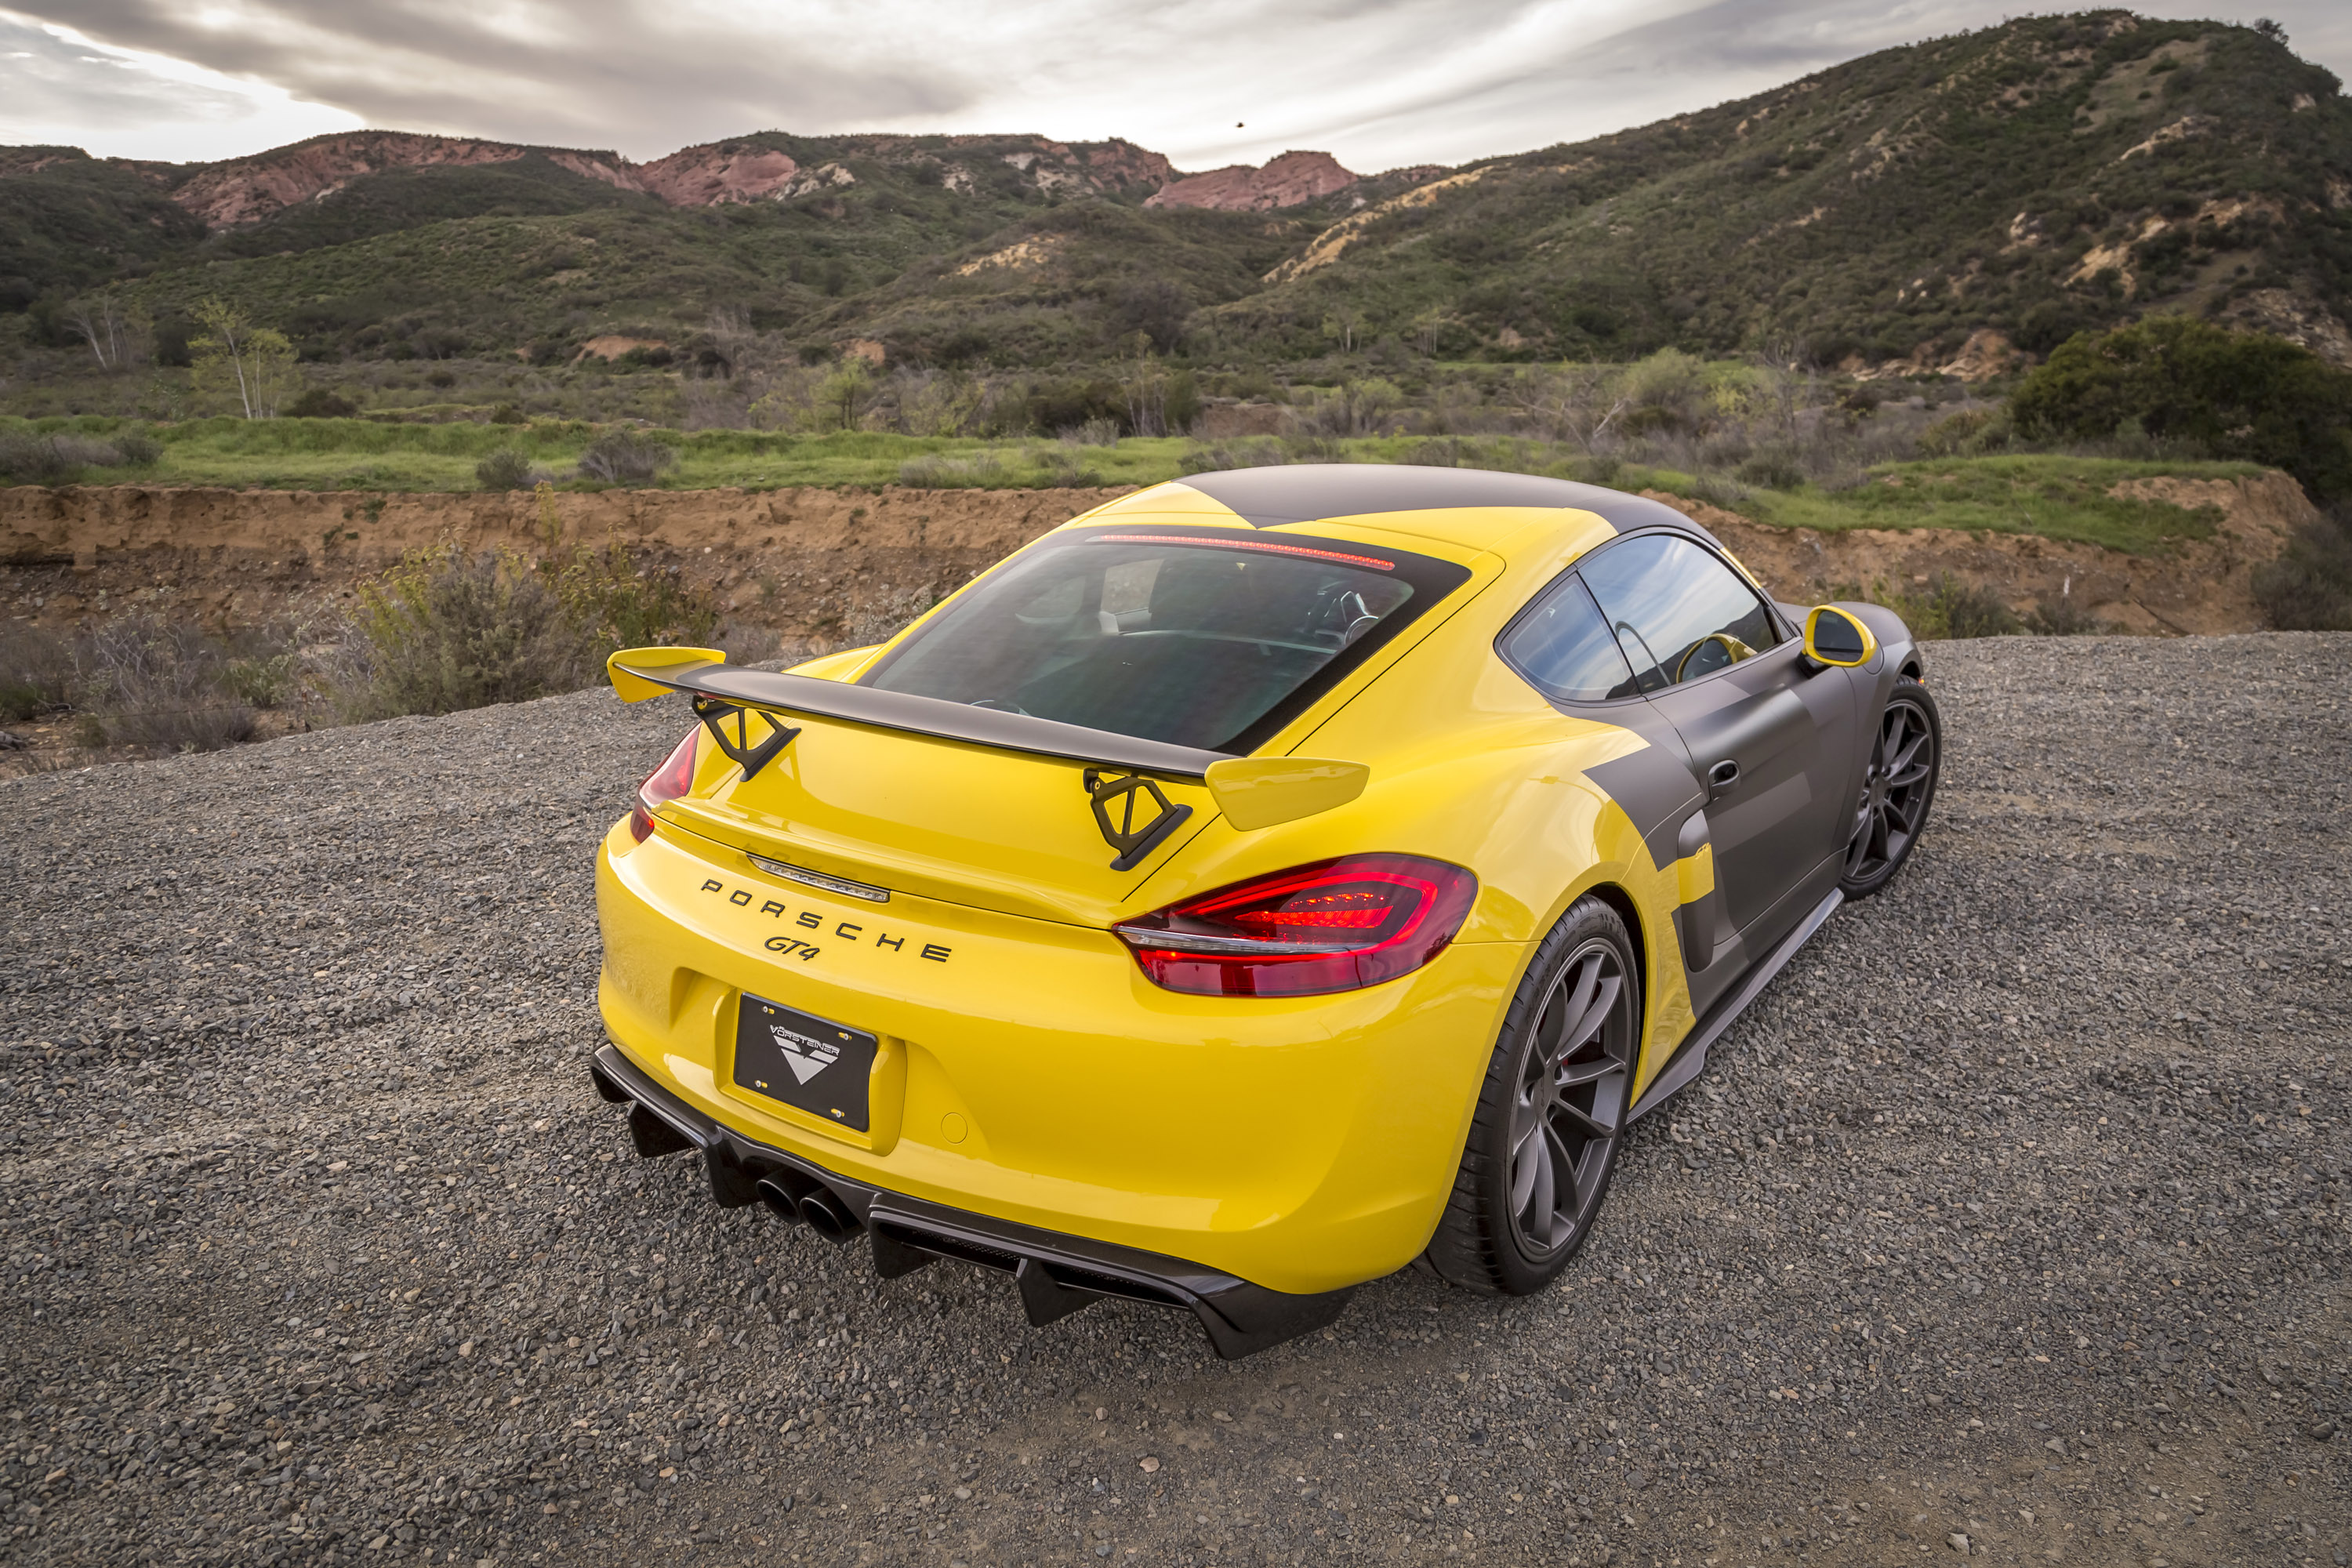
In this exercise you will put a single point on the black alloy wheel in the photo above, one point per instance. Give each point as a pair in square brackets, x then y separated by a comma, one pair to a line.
[1897, 788]
[1551, 1112]
[1571, 1102]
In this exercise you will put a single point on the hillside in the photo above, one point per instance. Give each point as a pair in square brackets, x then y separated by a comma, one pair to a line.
[1942, 204]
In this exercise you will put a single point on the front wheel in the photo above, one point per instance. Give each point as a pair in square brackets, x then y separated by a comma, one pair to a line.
[1907, 756]
[1552, 1112]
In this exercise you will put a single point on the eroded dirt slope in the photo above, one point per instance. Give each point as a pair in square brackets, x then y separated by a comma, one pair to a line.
[818, 565]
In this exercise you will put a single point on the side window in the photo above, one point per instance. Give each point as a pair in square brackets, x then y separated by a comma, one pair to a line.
[1563, 647]
[1678, 611]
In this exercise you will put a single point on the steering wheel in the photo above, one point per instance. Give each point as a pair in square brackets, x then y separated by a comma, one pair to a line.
[1734, 650]
[994, 706]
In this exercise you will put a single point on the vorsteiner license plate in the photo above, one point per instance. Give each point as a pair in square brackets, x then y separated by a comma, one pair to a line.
[808, 1063]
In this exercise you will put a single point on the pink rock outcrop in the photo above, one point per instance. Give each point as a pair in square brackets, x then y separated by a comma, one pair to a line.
[246, 190]
[1286, 182]
[718, 172]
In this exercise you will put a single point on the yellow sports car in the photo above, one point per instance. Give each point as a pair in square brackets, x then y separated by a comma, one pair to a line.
[1257, 884]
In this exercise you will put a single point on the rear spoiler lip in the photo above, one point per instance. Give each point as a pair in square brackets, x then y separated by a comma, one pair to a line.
[933, 717]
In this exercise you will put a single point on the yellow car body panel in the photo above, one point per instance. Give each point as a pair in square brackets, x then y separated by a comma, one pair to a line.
[1032, 1072]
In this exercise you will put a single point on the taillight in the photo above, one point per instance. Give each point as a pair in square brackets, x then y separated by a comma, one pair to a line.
[667, 781]
[1336, 925]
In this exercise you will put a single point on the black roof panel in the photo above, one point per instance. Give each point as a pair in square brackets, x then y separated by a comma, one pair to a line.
[1311, 492]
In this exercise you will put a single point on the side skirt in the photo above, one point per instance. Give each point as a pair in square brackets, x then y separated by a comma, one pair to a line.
[1689, 1059]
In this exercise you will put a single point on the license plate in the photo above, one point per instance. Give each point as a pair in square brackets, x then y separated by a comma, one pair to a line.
[807, 1062]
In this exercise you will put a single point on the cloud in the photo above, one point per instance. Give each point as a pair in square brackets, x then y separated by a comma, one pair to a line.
[1379, 82]
[57, 86]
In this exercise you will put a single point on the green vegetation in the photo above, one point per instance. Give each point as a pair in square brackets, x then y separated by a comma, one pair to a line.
[2194, 386]
[2054, 496]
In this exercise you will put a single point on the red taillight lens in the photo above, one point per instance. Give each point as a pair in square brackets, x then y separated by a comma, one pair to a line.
[1336, 925]
[667, 781]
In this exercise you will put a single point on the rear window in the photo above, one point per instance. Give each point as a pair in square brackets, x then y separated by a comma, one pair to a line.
[1193, 636]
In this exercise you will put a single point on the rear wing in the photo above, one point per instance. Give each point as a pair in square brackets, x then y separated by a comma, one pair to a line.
[1251, 791]
[641, 672]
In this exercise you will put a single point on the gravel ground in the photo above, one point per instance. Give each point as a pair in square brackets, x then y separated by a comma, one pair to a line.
[2012, 1222]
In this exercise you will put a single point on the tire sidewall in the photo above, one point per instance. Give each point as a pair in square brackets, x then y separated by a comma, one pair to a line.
[1587, 919]
[1906, 689]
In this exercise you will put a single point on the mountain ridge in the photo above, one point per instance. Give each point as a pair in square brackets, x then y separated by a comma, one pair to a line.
[1952, 206]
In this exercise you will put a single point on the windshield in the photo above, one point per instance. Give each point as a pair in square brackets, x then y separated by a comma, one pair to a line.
[1191, 636]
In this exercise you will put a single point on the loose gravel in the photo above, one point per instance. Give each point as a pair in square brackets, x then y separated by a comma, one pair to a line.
[2011, 1223]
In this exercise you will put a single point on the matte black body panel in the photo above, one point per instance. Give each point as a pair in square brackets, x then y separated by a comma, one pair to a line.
[1790, 728]
[1310, 492]
[1655, 786]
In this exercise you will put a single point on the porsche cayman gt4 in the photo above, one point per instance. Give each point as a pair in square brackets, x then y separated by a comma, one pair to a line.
[1257, 884]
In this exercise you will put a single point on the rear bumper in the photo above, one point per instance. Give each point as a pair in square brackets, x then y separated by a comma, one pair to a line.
[1056, 1274]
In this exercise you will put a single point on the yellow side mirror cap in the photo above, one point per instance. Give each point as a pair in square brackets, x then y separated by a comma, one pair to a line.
[1836, 636]
[622, 667]
[1259, 791]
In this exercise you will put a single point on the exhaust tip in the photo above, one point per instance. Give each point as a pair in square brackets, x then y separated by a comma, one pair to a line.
[822, 1213]
[781, 1200]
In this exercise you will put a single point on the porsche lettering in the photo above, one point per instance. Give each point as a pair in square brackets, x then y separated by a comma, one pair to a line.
[938, 953]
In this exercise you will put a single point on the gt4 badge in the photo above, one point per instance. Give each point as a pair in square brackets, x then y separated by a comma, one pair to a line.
[1133, 843]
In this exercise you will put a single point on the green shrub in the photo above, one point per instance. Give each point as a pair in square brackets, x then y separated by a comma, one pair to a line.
[624, 456]
[2189, 383]
[940, 471]
[1958, 433]
[317, 403]
[508, 414]
[137, 449]
[2309, 588]
[1771, 471]
[1264, 453]
[504, 470]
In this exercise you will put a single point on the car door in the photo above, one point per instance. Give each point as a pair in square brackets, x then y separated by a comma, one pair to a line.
[1769, 741]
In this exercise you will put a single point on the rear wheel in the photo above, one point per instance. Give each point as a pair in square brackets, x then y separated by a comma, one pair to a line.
[1907, 756]
[1551, 1114]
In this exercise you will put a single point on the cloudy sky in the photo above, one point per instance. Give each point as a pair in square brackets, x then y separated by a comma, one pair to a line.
[1379, 82]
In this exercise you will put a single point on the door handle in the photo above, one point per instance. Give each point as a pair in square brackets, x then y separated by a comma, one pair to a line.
[1723, 776]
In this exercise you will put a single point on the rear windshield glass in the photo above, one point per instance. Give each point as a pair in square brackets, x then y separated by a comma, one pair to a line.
[1189, 636]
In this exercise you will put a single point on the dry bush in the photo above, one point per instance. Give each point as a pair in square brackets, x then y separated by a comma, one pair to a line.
[37, 673]
[159, 686]
[624, 456]
[443, 631]
[2309, 588]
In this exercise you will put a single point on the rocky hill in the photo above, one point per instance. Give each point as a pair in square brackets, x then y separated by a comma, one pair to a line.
[1951, 205]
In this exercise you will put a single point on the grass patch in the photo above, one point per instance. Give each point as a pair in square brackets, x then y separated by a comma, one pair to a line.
[2053, 497]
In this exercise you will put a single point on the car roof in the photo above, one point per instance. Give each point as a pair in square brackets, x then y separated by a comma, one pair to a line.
[1330, 492]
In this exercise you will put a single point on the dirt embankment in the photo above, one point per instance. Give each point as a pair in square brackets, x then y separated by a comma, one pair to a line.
[823, 565]
[806, 564]
[2205, 587]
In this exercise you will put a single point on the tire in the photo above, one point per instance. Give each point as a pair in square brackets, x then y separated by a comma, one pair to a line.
[1561, 1075]
[1898, 787]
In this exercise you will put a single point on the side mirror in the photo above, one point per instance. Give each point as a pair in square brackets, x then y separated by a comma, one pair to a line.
[1834, 637]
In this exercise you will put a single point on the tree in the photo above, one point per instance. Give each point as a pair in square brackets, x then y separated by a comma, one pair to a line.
[846, 391]
[2242, 395]
[119, 337]
[240, 365]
